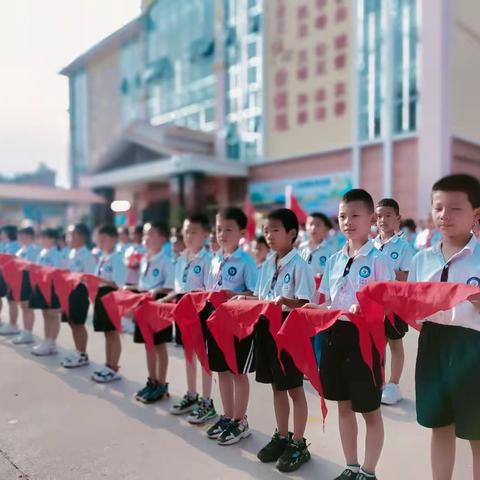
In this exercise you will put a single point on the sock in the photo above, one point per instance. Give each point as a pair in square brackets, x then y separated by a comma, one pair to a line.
[192, 396]
[367, 474]
[354, 468]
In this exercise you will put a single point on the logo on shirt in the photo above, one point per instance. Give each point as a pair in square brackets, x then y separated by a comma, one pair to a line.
[156, 272]
[78, 263]
[394, 255]
[232, 271]
[108, 269]
[365, 272]
[286, 278]
[197, 269]
[323, 260]
[474, 281]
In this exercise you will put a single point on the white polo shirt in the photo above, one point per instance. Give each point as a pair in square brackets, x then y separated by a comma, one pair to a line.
[50, 257]
[81, 260]
[291, 278]
[192, 274]
[237, 273]
[463, 267]
[156, 272]
[110, 267]
[397, 251]
[316, 255]
[29, 252]
[136, 249]
[340, 285]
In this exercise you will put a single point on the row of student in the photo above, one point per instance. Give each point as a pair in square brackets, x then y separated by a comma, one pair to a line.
[447, 397]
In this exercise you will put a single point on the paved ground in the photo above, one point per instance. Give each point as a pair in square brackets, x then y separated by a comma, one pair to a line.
[59, 425]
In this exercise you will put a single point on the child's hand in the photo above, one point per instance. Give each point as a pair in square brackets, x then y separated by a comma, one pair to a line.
[279, 301]
[311, 306]
[229, 294]
[153, 293]
[238, 297]
[475, 300]
[355, 308]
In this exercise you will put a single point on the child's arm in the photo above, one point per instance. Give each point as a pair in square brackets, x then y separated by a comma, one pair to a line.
[291, 302]
[401, 276]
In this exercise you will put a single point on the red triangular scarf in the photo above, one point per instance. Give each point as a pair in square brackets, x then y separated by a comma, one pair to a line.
[92, 282]
[153, 317]
[121, 302]
[238, 319]
[64, 283]
[42, 278]
[186, 315]
[12, 271]
[5, 258]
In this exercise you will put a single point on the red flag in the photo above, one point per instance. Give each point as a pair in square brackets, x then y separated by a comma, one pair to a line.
[121, 302]
[42, 277]
[153, 317]
[64, 283]
[92, 282]
[293, 204]
[12, 271]
[252, 224]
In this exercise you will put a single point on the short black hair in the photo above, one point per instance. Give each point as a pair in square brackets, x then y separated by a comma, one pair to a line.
[287, 217]
[262, 240]
[138, 230]
[10, 231]
[199, 219]
[82, 230]
[108, 230]
[359, 195]
[51, 233]
[410, 224]
[460, 182]
[161, 228]
[28, 231]
[123, 230]
[235, 214]
[321, 216]
[391, 203]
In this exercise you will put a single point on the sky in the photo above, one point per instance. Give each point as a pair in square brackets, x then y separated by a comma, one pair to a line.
[37, 39]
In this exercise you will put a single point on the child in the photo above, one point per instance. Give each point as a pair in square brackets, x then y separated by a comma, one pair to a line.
[49, 256]
[11, 246]
[345, 377]
[80, 260]
[191, 273]
[234, 272]
[287, 280]
[123, 240]
[156, 277]
[178, 245]
[134, 254]
[212, 242]
[260, 251]
[113, 274]
[393, 244]
[448, 361]
[29, 251]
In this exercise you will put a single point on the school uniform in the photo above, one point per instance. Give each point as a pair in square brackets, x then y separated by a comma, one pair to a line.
[399, 253]
[80, 260]
[343, 372]
[48, 257]
[10, 247]
[156, 272]
[238, 273]
[133, 253]
[291, 278]
[448, 359]
[111, 268]
[316, 256]
[192, 274]
[28, 253]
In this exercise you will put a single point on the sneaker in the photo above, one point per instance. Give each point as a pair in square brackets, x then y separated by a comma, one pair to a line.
[216, 430]
[155, 393]
[273, 450]
[235, 431]
[348, 474]
[362, 476]
[203, 412]
[294, 456]
[185, 405]
[23, 338]
[44, 348]
[150, 384]
[105, 375]
[391, 394]
[75, 360]
[9, 329]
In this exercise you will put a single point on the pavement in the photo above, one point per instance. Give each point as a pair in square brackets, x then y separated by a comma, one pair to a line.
[59, 425]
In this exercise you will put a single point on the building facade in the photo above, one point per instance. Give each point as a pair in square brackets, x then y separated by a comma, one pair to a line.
[255, 95]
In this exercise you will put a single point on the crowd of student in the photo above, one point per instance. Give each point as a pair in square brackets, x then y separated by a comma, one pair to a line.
[323, 266]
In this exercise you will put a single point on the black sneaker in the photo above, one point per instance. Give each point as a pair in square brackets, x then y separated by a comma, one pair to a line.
[148, 386]
[235, 431]
[156, 393]
[294, 456]
[216, 430]
[185, 405]
[273, 450]
[348, 474]
[362, 476]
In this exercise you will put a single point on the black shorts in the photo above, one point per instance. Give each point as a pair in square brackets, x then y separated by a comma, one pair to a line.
[38, 302]
[396, 331]
[78, 304]
[163, 336]
[3, 287]
[244, 350]
[178, 333]
[101, 320]
[344, 375]
[25, 289]
[267, 366]
[446, 379]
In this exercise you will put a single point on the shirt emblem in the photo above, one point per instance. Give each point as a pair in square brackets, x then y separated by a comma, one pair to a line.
[365, 272]
[474, 281]
[394, 255]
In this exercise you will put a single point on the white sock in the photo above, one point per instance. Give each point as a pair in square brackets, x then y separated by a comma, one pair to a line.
[367, 474]
[354, 468]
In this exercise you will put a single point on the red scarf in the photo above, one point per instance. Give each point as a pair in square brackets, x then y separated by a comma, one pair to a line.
[152, 317]
[12, 269]
[42, 277]
[238, 319]
[121, 302]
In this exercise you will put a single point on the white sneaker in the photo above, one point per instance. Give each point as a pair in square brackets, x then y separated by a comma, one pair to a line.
[391, 394]
[9, 329]
[75, 360]
[45, 348]
[105, 375]
[23, 338]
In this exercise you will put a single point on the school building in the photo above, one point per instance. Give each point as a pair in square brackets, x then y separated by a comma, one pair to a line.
[195, 104]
